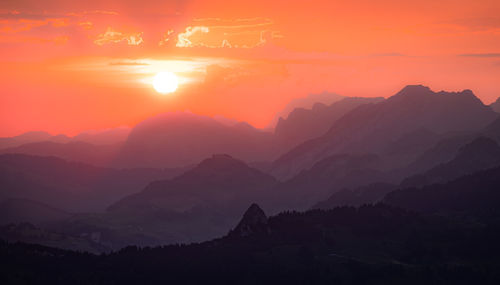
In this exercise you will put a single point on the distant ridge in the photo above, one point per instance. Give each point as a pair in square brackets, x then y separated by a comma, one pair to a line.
[371, 127]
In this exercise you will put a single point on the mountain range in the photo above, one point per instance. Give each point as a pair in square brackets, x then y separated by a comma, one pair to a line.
[181, 177]
[371, 128]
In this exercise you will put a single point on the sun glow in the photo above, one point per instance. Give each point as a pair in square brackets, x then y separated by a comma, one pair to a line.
[165, 82]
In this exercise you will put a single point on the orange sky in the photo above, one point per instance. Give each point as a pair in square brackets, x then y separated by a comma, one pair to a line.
[68, 67]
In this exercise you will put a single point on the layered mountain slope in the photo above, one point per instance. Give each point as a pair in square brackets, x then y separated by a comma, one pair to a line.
[179, 139]
[219, 181]
[200, 204]
[328, 175]
[24, 210]
[308, 102]
[366, 245]
[473, 193]
[68, 185]
[480, 154]
[304, 124]
[496, 105]
[96, 155]
[370, 128]
[30, 137]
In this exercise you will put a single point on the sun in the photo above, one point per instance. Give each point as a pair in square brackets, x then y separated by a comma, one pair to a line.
[165, 82]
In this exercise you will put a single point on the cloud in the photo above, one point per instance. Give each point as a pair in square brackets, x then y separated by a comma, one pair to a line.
[113, 36]
[389, 54]
[478, 24]
[480, 55]
[166, 37]
[129, 63]
[25, 25]
[222, 33]
[44, 27]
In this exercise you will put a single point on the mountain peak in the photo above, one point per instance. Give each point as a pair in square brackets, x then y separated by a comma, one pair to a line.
[254, 221]
[221, 161]
[496, 105]
[412, 90]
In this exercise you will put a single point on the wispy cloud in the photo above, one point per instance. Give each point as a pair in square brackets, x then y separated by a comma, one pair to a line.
[480, 55]
[223, 33]
[113, 36]
[389, 54]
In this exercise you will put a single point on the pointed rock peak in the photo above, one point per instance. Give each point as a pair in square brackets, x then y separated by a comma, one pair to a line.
[415, 90]
[254, 221]
[254, 214]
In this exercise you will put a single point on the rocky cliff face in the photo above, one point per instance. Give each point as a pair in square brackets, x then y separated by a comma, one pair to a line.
[254, 221]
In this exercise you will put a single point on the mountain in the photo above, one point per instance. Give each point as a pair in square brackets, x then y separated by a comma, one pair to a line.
[443, 151]
[24, 210]
[476, 155]
[308, 102]
[71, 186]
[30, 137]
[366, 245]
[220, 180]
[496, 105]
[371, 127]
[103, 137]
[358, 196]
[493, 130]
[200, 204]
[329, 175]
[473, 193]
[304, 124]
[482, 153]
[26, 232]
[254, 222]
[97, 155]
[180, 139]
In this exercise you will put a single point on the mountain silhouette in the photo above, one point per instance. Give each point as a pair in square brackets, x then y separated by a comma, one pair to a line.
[329, 175]
[371, 127]
[304, 124]
[377, 244]
[482, 153]
[71, 186]
[308, 102]
[496, 105]
[473, 193]
[24, 210]
[367, 194]
[254, 222]
[103, 137]
[30, 137]
[96, 155]
[180, 139]
[200, 204]
[29, 233]
[219, 180]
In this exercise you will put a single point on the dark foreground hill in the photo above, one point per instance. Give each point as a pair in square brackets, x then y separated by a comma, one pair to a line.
[367, 245]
